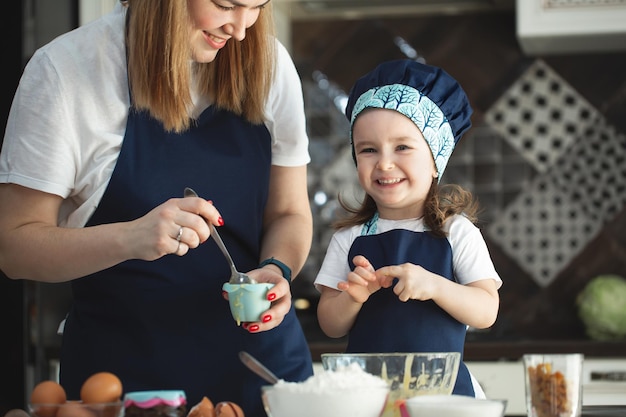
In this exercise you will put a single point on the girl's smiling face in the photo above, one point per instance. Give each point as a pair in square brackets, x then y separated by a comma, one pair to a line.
[214, 22]
[394, 163]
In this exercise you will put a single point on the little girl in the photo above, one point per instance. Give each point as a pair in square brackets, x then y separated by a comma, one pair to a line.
[408, 270]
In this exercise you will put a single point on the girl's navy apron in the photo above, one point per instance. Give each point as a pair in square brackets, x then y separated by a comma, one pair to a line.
[386, 324]
[164, 324]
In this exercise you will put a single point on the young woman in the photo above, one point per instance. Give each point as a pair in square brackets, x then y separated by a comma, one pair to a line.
[109, 124]
[408, 271]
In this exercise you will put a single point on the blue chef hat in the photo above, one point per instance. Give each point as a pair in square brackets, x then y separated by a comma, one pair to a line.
[427, 95]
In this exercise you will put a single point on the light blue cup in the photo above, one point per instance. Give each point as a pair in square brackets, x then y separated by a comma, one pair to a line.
[247, 301]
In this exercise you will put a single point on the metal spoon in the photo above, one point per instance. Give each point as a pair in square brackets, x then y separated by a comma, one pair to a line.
[236, 277]
[257, 367]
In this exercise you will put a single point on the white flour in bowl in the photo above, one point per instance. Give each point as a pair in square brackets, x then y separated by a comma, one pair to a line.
[345, 392]
[351, 376]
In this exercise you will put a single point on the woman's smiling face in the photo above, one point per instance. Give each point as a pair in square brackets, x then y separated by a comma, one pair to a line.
[394, 163]
[215, 22]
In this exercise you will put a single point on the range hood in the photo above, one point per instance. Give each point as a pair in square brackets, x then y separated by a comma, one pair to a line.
[571, 26]
[361, 9]
[544, 27]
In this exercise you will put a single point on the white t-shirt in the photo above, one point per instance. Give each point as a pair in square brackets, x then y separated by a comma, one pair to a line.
[68, 118]
[470, 256]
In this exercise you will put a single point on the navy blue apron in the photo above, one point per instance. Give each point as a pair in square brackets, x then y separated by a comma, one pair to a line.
[386, 324]
[164, 324]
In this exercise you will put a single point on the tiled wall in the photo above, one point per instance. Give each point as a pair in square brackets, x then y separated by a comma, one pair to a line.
[580, 160]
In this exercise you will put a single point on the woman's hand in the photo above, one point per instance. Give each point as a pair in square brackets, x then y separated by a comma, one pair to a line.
[173, 227]
[279, 295]
[287, 235]
[29, 230]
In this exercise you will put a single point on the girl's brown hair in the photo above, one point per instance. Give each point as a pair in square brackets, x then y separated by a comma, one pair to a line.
[160, 73]
[441, 203]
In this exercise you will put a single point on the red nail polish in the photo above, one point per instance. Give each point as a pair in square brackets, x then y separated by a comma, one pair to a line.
[253, 328]
[271, 296]
[267, 318]
[244, 325]
[220, 221]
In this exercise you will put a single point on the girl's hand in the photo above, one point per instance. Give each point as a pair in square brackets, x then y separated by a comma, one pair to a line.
[362, 281]
[414, 282]
[474, 304]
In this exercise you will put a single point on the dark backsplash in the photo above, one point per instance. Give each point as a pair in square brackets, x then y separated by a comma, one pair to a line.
[482, 52]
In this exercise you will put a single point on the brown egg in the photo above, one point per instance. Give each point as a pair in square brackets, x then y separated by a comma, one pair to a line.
[228, 409]
[204, 408]
[75, 409]
[102, 387]
[48, 393]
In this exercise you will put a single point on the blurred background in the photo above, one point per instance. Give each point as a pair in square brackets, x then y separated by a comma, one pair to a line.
[545, 155]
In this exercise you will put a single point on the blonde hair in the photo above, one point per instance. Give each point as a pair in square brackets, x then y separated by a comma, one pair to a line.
[160, 74]
[442, 202]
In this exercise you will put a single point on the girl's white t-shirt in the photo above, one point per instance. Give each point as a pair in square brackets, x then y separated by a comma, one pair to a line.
[470, 256]
[68, 117]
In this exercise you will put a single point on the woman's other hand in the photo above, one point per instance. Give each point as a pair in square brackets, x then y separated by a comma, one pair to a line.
[279, 295]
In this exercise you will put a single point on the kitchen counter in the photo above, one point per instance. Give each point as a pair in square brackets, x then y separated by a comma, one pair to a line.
[515, 350]
[604, 411]
[505, 380]
[498, 368]
[511, 350]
